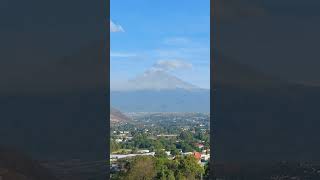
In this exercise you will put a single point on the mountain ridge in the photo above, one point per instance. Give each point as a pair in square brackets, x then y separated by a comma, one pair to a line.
[154, 80]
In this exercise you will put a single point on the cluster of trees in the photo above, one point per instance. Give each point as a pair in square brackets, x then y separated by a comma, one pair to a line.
[203, 136]
[114, 146]
[142, 141]
[186, 142]
[160, 167]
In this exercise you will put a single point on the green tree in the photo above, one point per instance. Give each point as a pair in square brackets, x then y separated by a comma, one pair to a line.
[186, 147]
[134, 150]
[180, 176]
[165, 169]
[186, 136]
[161, 154]
[207, 171]
[174, 152]
[157, 145]
[170, 176]
[190, 167]
[114, 146]
[141, 168]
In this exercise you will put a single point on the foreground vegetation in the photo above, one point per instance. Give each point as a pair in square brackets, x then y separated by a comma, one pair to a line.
[160, 167]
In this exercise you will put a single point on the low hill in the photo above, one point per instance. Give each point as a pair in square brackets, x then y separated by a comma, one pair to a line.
[117, 117]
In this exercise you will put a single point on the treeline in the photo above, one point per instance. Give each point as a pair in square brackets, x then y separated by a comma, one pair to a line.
[185, 141]
[158, 167]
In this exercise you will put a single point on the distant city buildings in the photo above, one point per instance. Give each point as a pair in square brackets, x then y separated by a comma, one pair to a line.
[160, 127]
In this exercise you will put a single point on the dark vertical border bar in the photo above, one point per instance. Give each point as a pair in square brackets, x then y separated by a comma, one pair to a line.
[212, 84]
[214, 87]
[107, 120]
[53, 92]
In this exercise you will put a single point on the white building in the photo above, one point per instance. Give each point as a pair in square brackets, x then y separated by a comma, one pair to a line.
[120, 156]
[142, 151]
[205, 157]
[118, 140]
[168, 153]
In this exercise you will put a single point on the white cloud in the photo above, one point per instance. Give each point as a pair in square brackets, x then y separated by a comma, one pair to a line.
[168, 65]
[115, 27]
[191, 53]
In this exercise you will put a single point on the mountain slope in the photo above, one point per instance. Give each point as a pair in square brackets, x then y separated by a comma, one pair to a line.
[157, 80]
[154, 80]
[117, 117]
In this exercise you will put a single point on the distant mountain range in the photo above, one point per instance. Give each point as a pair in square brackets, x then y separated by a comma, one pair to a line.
[159, 91]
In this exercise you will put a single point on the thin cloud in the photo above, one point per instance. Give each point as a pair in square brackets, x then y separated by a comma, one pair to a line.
[115, 27]
[169, 65]
[122, 54]
[176, 41]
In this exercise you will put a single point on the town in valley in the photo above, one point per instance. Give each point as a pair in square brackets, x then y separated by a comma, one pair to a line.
[171, 141]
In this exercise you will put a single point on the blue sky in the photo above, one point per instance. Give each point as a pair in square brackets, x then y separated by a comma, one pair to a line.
[145, 32]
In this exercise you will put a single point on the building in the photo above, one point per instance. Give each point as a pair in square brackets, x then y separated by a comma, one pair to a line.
[142, 151]
[118, 140]
[168, 153]
[187, 153]
[199, 145]
[205, 157]
[114, 157]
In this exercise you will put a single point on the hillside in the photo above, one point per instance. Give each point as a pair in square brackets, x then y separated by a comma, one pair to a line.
[117, 117]
[153, 80]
